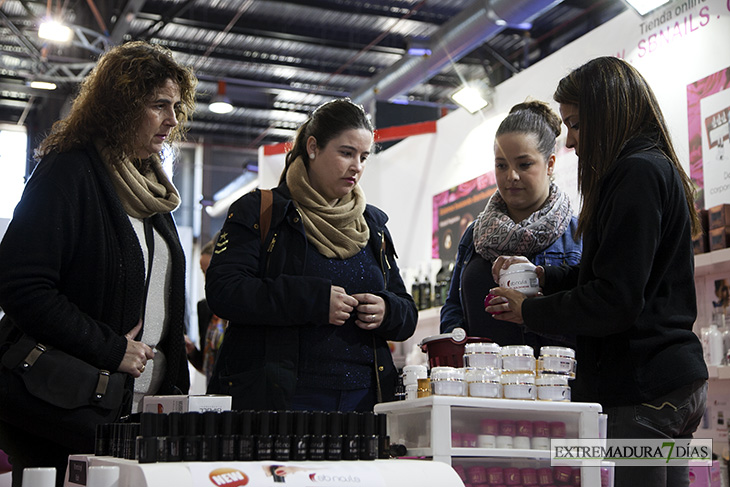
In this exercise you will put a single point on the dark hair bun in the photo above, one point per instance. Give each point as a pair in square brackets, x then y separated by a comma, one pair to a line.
[543, 110]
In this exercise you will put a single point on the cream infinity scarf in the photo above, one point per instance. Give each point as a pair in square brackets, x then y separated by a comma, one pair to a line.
[495, 233]
[142, 194]
[338, 231]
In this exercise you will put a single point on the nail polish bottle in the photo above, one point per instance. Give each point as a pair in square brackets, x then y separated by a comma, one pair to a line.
[131, 433]
[300, 439]
[191, 437]
[368, 438]
[246, 443]
[334, 436]
[282, 443]
[351, 438]
[318, 438]
[161, 437]
[381, 424]
[102, 440]
[264, 437]
[210, 439]
[174, 437]
[147, 439]
[227, 435]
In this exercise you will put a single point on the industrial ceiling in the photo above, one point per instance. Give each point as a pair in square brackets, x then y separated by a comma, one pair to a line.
[279, 59]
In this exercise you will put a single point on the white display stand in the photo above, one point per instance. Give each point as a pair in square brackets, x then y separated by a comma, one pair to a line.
[378, 473]
[425, 425]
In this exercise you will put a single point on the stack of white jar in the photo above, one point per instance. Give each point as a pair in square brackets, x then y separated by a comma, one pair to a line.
[510, 372]
[555, 367]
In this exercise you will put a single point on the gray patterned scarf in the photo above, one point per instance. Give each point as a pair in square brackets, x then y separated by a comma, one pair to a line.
[495, 233]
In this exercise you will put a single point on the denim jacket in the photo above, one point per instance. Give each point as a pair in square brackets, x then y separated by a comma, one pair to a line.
[565, 250]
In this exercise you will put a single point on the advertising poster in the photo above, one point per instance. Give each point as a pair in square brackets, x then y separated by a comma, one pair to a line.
[453, 211]
[708, 110]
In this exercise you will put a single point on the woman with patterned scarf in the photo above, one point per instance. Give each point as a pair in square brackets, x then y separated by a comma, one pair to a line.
[312, 304]
[528, 215]
[91, 263]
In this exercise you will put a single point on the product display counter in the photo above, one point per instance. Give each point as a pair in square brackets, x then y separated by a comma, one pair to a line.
[378, 473]
[450, 429]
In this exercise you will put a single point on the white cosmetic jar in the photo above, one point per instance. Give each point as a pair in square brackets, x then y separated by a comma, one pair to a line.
[553, 387]
[411, 374]
[557, 360]
[517, 359]
[482, 354]
[520, 277]
[519, 386]
[448, 381]
[483, 382]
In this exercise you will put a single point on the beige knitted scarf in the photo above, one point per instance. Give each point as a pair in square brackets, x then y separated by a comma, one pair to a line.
[338, 231]
[143, 193]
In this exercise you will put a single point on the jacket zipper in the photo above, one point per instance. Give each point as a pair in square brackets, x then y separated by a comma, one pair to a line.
[268, 254]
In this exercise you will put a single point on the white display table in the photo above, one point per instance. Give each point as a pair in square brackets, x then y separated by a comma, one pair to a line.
[378, 473]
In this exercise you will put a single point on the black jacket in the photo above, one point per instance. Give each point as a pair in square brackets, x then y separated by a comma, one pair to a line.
[72, 271]
[631, 301]
[257, 363]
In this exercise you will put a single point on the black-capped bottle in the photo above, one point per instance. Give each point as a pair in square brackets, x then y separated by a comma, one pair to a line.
[191, 436]
[246, 440]
[334, 436]
[174, 437]
[368, 438]
[425, 294]
[264, 435]
[318, 435]
[351, 437]
[416, 292]
[283, 440]
[228, 436]
[147, 439]
[131, 432]
[161, 437]
[381, 424]
[300, 438]
[102, 440]
[209, 444]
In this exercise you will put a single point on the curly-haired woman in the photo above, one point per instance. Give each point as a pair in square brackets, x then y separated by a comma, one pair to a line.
[75, 266]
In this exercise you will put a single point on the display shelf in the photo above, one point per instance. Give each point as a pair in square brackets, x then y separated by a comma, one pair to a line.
[425, 426]
[712, 262]
[719, 371]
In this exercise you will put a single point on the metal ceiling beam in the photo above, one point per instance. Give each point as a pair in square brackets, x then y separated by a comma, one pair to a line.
[461, 35]
[124, 21]
[250, 26]
[384, 9]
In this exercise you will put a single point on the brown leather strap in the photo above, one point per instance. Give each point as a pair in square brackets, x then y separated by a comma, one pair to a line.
[267, 200]
[101, 385]
[33, 355]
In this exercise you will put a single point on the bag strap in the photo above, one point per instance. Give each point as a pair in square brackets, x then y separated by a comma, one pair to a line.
[267, 208]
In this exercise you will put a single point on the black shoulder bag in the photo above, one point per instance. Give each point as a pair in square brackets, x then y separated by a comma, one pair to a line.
[57, 396]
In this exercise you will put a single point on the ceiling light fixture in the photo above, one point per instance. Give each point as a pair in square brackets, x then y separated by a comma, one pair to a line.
[221, 103]
[54, 31]
[643, 7]
[43, 85]
[472, 96]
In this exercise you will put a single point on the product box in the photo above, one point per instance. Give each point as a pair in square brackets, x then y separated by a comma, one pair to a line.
[719, 238]
[701, 244]
[704, 476]
[719, 216]
[183, 404]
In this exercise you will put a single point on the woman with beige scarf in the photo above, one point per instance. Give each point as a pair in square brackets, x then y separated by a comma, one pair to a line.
[91, 263]
[312, 304]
